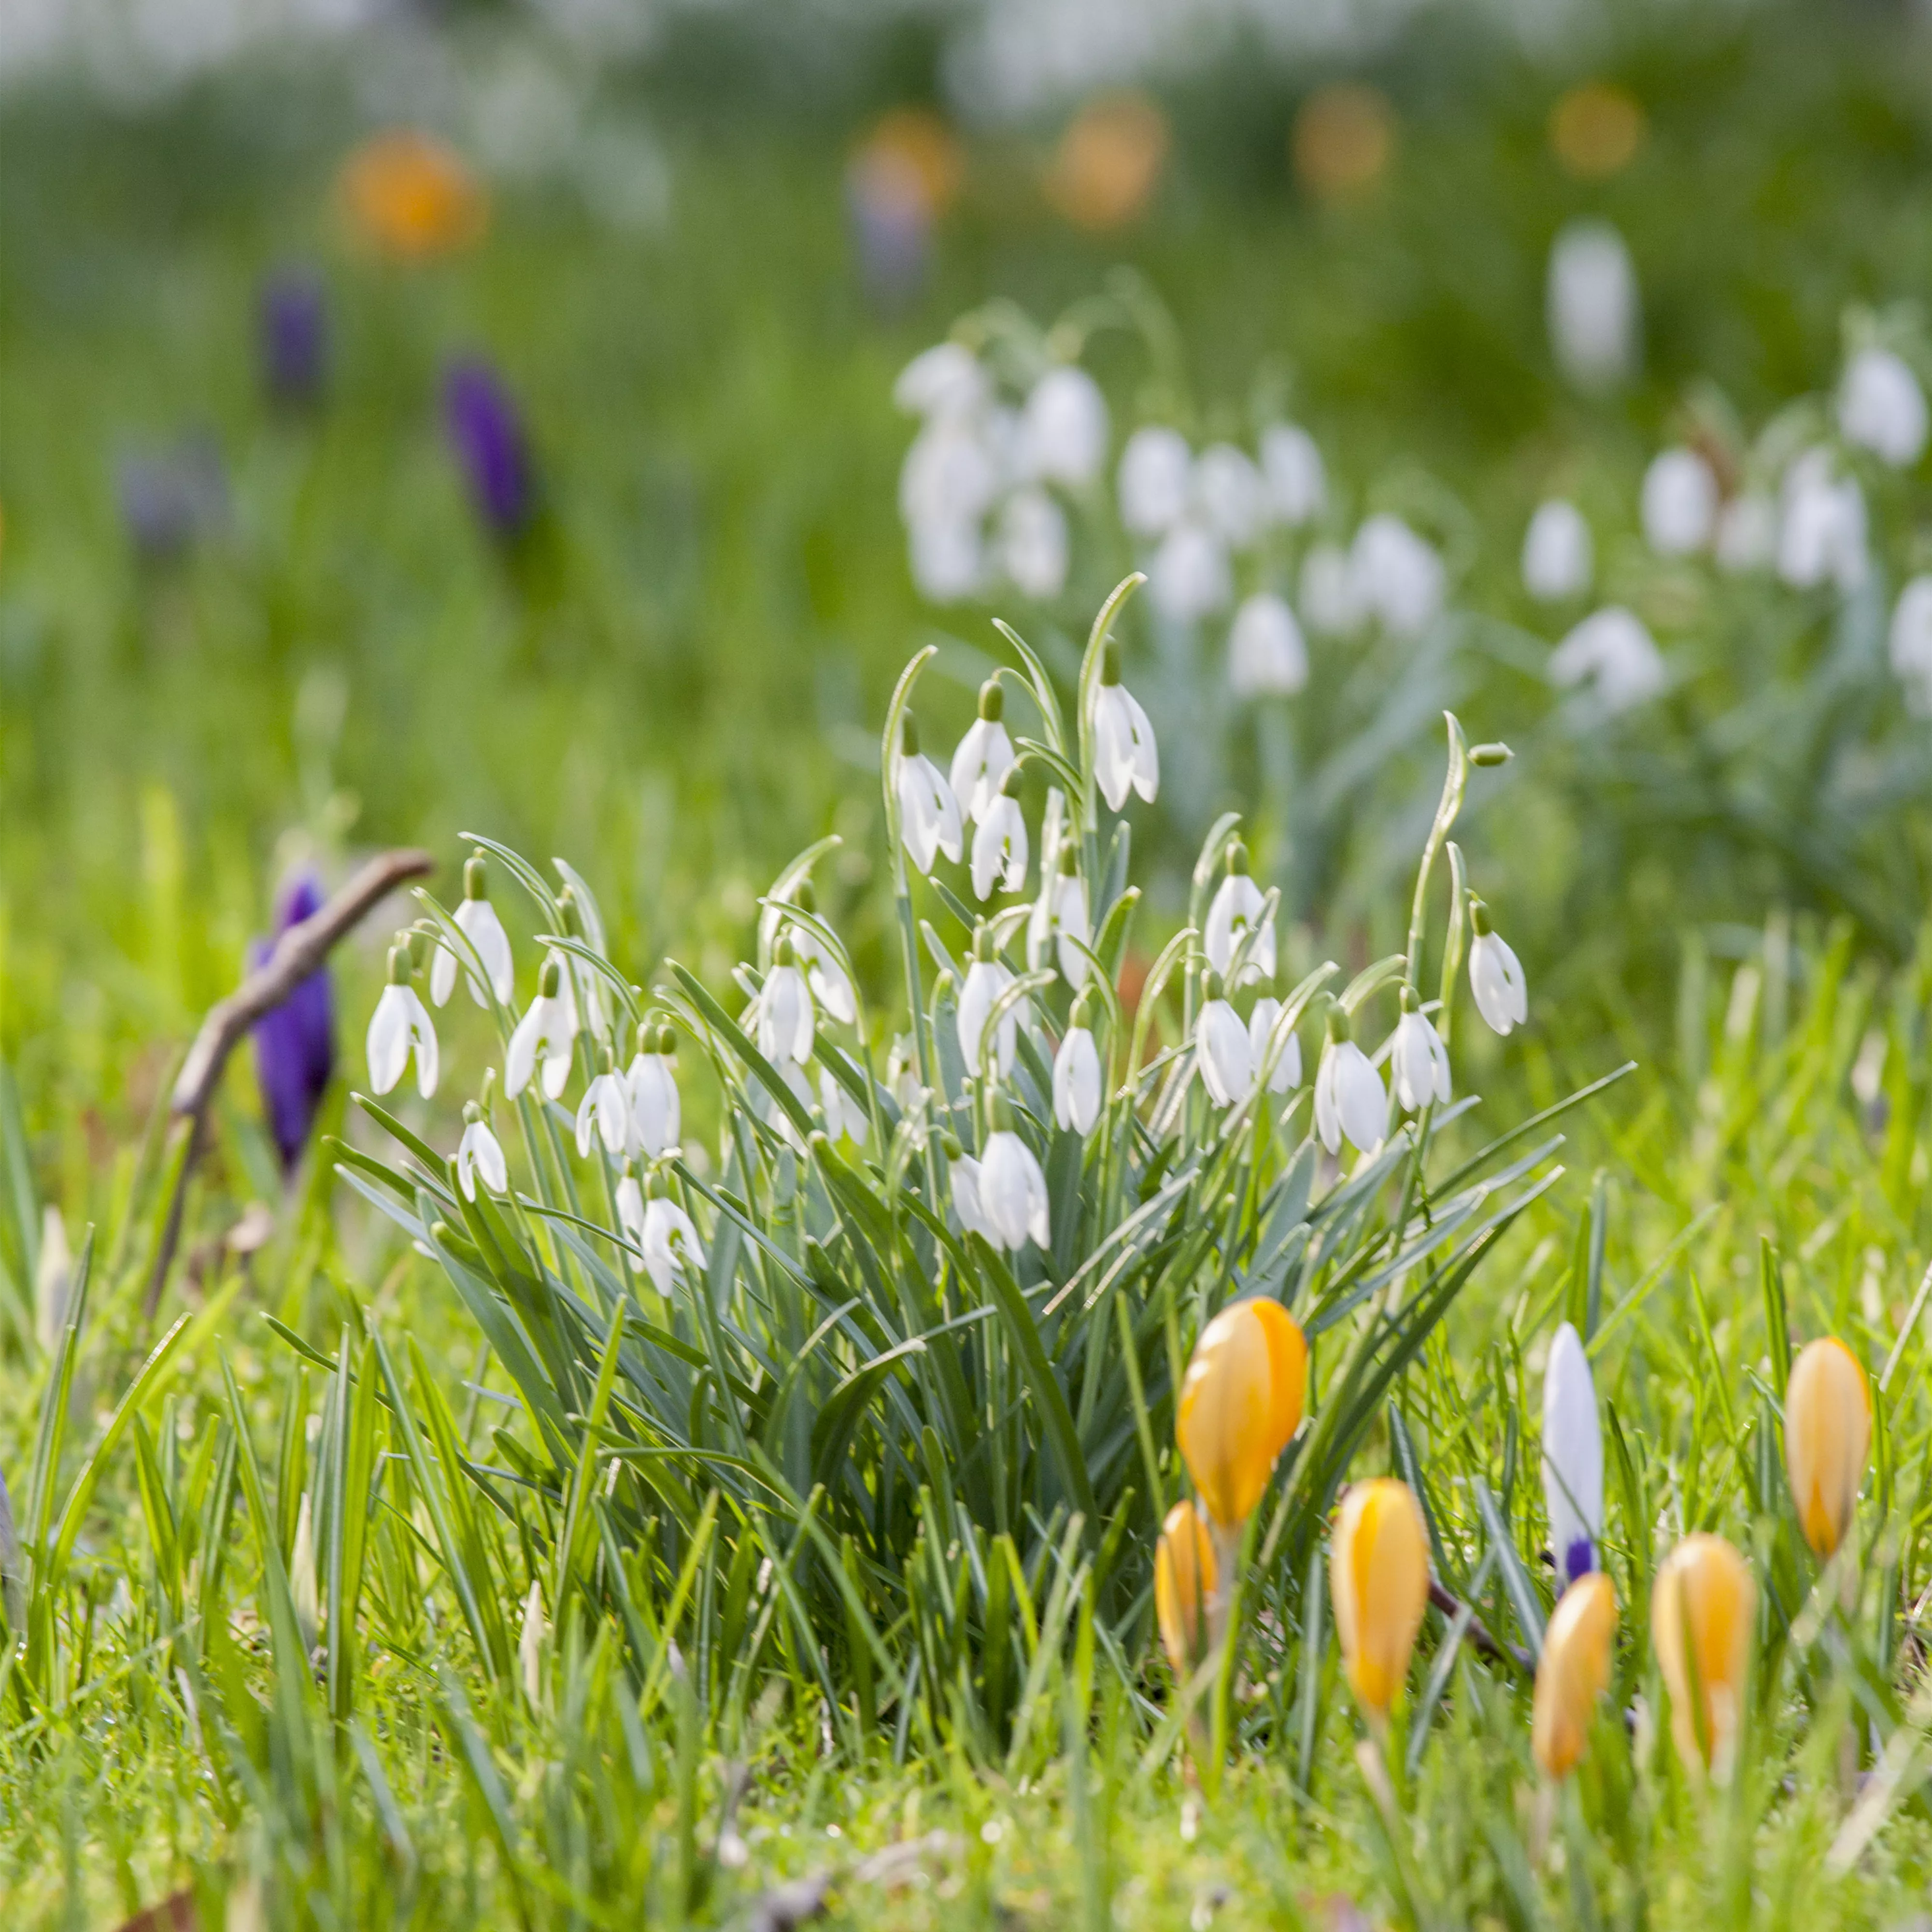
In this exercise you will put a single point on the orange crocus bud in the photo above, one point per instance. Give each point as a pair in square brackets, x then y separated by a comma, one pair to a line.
[1701, 1608]
[1572, 1672]
[1828, 1427]
[1241, 1402]
[1378, 1581]
[412, 196]
[1185, 1579]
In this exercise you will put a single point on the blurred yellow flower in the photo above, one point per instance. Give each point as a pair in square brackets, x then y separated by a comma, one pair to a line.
[1596, 129]
[1572, 1672]
[1240, 1404]
[910, 159]
[1343, 141]
[411, 196]
[1705, 1596]
[1185, 1579]
[1827, 1427]
[1378, 1580]
[1109, 161]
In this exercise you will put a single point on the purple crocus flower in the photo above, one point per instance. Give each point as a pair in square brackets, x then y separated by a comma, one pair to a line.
[171, 497]
[488, 436]
[294, 1042]
[293, 332]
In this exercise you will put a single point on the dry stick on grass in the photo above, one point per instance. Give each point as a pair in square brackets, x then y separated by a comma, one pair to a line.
[1478, 1634]
[297, 953]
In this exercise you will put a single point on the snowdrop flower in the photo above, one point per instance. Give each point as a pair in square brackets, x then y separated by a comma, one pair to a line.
[1592, 305]
[1348, 1096]
[1329, 599]
[845, 1119]
[1124, 755]
[1012, 1190]
[1229, 493]
[1496, 980]
[949, 474]
[476, 918]
[985, 754]
[305, 1598]
[948, 561]
[902, 1072]
[1418, 1061]
[1261, 1023]
[830, 987]
[1572, 1457]
[656, 1125]
[1397, 576]
[605, 1110]
[1821, 531]
[1909, 642]
[1266, 655]
[946, 380]
[987, 978]
[1033, 544]
[787, 1022]
[1881, 407]
[1221, 1046]
[928, 813]
[529, 1645]
[967, 1202]
[631, 1210]
[479, 1152]
[669, 1240]
[1188, 576]
[1063, 428]
[544, 1035]
[399, 1027]
[1679, 502]
[1000, 842]
[1076, 1075]
[1746, 532]
[1557, 553]
[1234, 918]
[1068, 919]
[1156, 469]
[1298, 485]
[1611, 648]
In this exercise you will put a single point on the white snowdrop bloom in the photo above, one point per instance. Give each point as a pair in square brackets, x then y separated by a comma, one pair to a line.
[1329, 601]
[1033, 544]
[1012, 1190]
[1072, 924]
[1229, 493]
[985, 754]
[1881, 407]
[949, 474]
[1909, 643]
[671, 1244]
[1125, 757]
[1679, 503]
[1573, 1457]
[1221, 1048]
[1593, 305]
[631, 1210]
[476, 918]
[1235, 919]
[1495, 978]
[605, 1111]
[788, 1022]
[928, 813]
[946, 380]
[987, 977]
[967, 1202]
[1558, 554]
[53, 1279]
[1418, 1061]
[902, 1080]
[845, 1119]
[1262, 1023]
[1063, 428]
[1348, 1096]
[305, 1595]
[544, 1035]
[399, 1027]
[1156, 470]
[1747, 537]
[530, 1645]
[1266, 655]
[1297, 484]
[655, 1115]
[1188, 576]
[948, 558]
[999, 847]
[1612, 651]
[1821, 536]
[831, 988]
[1076, 1075]
[1396, 575]
[479, 1154]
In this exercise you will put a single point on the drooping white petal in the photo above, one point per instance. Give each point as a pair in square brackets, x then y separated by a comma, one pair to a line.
[1329, 601]
[655, 1111]
[967, 1202]
[1124, 756]
[1572, 1457]
[1348, 1098]
[1012, 1192]
[1221, 1046]
[1287, 1071]
[984, 758]
[787, 1023]
[388, 1040]
[670, 1244]
[929, 815]
[543, 1035]
[1558, 552]
[1033, 543]
[630, 1209]
[986, 979]
[1229, 494]
[1419, 1062]
[1881, 407]
[1234, 917]
[477, 920]
[999, 849]
[604, 1110]
[1188, 578]
[1071, 923]
[1396, 575]
[1063, 428]
[1611, 651]
[1495, 978]
[1679, 502]
[1297, 484]
[1153, 483]
[944, 380]
[480, 1153]
[1267, 657]
[948, 559]
[845, 1119]
[1822, 531]
[1076, 1082]
[831, 989]
[1909, 642]
[1593, 305]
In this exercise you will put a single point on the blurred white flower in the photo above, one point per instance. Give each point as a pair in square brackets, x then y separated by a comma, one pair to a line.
[946, 380]
[530, 1644]
[1125, 755]
[630, 1209]
[605, 1110]
[1153, 481]
[1229, 493]
[1821, 534]
[949, 562]
[1012, 1192]
[1033, 543]
[1000, 848]
[844, 1118]
[1747, 536]
[831, 989]
[1329, 601]
[928, 813]
[476, 918]
[1298, 485]
[1069, 921]
[1573, 1457]
[1496, 978]
[1221, 1047]
[987, 977]
[669, 1242]
[902, 1072]
[399, 1027]
[1063, 428]
[1557, 554]
[1234, 918]
[1881, 407]
[545, 1036]
[1611, 649]
[1396, 575]
[1076, 1077]
[1593, 305]
[966, 1199]
[1348, 1096]
[1266, 655]
[1188, 578]
[949, 475]
[1262, 1023]
[480, 1153]
[1679, 502]
[1909, 643]
[655, 1115]
[1418, 1061]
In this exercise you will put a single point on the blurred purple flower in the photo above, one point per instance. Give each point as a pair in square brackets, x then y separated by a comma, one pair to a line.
[488, 436]
[293, 322]
[294, 1042]
[170, 497]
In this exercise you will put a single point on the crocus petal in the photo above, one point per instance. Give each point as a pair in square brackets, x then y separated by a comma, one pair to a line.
[1572, 1456]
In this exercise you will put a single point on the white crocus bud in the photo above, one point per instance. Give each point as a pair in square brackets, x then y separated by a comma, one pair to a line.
[1125, 757]
[967, 1200]
[844, 1118]
[1593, 305]
[1000, 842]
[986, 978]
[399, 1027]
[1229, 493]
[1012, 1190]
[1348, 1096]
[1235, 918]
[1495, 978]
[655, 1115]
[1063, 428]
[1069, 920]
[1266, 655]
[1573, 1458]
[928, 813]
[1909, 643]
[1679, 502]
[1286, 1072]
[479, 1152]
[1221, 1047]
[304, 1596]
[1821, 535]
[669, 1240]
[830, 988]
[1328, 597]
[476, 919]
[1418, 1061]
[1298, 485]
[1397, 575]
[1747, 538]
[1188, 578]
[605, 1110]
[1881, 407]
[1033, 544]
[946, 380]
[984, 756]
[1557, 553]
[529, 1645]
[1611, 650]
[544, 1035]
[1076, 1075]
[1153, 482]
[787, 1021]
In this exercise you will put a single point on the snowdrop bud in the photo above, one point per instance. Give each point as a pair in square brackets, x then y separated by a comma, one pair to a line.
[1909, 642]
[1881, 407]
[303, 1592]
[987, 977]
[1378, 1582]
[479, 1152]
[1328, 597]
[1156, 467]
[1495, 978]
[1221, 1046]
[1185, 1582]
[1261, 1022]
[1611, 651]
[946, 380]
[529, 1645]
[787, 1021]
[1348, 1096]
[1012, 1190]
[1076, 1075]
[1828, 1428]
[1033, 543]
[1572, 1457]
[1821, 534]
[1557, 553]
[928, 813]
[1418, 1061]
[1229, 490]
[1701, 1605]
[1297, 485]
[984, 756]
[1063, 428]
[656, 1113]
[544, 1036]
[1241, 1402]
[1746, 532]
[1188, 578]
[1235, 919]
[1572, 1673]
[1266, 655]
[1397, 576]
[1593, 305]
[1679, 502]
[399, 1027]
[1000, 842]
[1125, 757]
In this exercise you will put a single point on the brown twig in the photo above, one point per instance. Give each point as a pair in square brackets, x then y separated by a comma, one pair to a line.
[297, 953]
[1477, 1632]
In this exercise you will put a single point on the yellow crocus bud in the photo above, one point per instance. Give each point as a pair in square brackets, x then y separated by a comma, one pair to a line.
[1828, 1427]
[1378, 1580]
[1572, 1672]
[1185, 1576]
[1704, 1595]
[1241, 1402]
